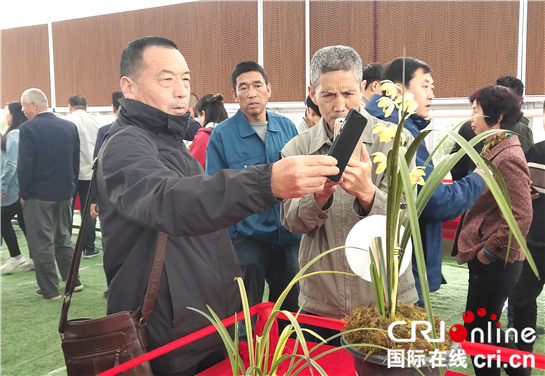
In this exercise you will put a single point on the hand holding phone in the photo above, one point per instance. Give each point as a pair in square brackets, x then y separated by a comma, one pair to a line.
[348, 141]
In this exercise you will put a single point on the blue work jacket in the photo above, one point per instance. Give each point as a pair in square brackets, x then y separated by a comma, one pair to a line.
[234, 144]
[447, 202]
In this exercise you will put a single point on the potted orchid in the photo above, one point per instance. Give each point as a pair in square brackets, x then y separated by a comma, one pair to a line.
[403, 209]
[267, 351]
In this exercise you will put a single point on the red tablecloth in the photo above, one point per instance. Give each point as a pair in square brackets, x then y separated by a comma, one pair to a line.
[338, 363]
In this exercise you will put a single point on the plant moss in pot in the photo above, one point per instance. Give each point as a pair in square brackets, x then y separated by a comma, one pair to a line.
[372, 361]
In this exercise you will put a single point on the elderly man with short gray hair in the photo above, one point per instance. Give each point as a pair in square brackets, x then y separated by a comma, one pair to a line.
[325, 217]
[48, 173]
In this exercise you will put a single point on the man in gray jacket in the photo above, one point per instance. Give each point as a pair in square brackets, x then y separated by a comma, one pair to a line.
[325, 217]
[147, 181]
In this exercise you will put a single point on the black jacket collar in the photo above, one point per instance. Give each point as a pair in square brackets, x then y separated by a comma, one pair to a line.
[150, 118]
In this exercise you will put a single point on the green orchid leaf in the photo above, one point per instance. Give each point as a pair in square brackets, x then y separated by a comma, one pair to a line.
[418, 248]
[247, 320]
[413, 147]
[378, 286]
[446, 165]
[230, 346]
[446, 137]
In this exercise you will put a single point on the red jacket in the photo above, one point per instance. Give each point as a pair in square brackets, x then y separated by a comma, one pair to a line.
[199, 144]
[483, 225]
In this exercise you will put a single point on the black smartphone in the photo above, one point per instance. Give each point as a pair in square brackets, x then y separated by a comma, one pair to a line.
[347, 139]
[537, 176]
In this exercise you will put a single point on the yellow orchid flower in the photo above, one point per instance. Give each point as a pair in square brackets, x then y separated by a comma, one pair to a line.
[387, 105]
[417, 176]
[388, 110]
[384, 102]
[377, 128]
[388, 134]
[381, 159]
[390, 88]
[408, 96]
[409, 105]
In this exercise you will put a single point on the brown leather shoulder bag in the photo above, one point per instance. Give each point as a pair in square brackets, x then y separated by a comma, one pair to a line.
[92, 346]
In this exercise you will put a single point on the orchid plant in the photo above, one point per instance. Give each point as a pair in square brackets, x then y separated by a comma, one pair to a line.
[267, 354]
[404, 206]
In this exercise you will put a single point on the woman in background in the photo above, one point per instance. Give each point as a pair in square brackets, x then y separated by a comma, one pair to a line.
[9, 189]
[524, 296]
[482, 236]
[210, 112]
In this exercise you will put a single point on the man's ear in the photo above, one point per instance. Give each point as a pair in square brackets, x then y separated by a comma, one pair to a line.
[234, 94]
[127, 87]
[375, 86]
[312, 94]
[269, 90]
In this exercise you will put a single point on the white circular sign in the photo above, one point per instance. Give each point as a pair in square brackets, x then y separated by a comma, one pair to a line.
[362, 237]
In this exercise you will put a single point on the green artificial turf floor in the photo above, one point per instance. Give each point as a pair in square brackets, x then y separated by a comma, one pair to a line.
[30, 343]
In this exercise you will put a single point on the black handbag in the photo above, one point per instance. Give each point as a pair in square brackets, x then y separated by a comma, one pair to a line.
[92, 346]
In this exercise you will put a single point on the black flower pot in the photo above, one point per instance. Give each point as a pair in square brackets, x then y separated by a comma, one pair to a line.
[377, 365]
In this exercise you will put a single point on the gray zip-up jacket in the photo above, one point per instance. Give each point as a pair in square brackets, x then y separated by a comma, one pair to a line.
[335, 295]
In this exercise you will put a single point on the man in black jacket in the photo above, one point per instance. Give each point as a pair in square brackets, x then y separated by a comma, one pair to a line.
[147, 181]
[465, 164]
[48, 170]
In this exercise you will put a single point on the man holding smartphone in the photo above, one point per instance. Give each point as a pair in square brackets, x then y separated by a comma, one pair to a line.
[325, 217]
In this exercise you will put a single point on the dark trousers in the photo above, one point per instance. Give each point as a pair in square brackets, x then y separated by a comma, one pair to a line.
[260, 262]
[48, 236]
[489, 287]
[8, 233]
[83, 190]
[523, 298]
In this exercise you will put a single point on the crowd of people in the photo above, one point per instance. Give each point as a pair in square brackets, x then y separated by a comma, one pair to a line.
[250, 195]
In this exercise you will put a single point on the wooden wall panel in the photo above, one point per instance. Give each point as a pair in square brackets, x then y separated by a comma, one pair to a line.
[24, 62]
[348, 23]
[213, 36]
[467, 43]
[535, 54]
[284, 49]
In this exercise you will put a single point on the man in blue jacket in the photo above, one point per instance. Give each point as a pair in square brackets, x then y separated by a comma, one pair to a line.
[449, 200]
[265, 249]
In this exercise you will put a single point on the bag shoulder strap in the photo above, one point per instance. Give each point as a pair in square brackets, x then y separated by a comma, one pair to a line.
[155, 276]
